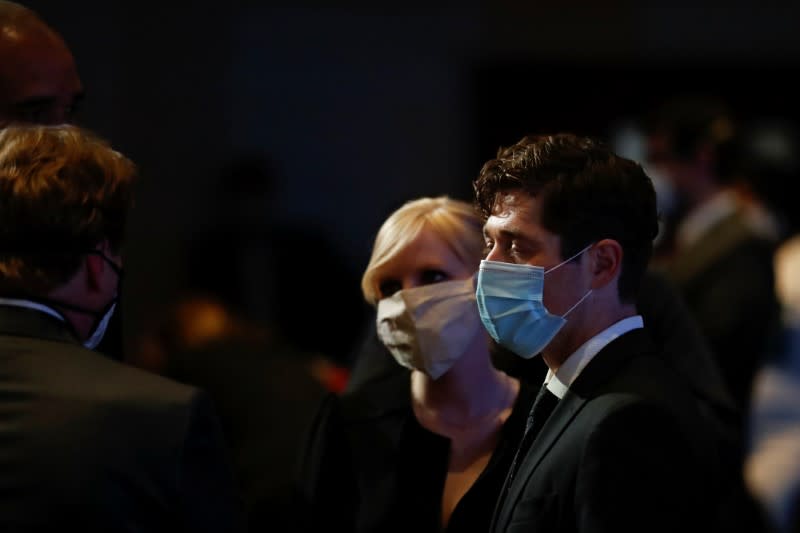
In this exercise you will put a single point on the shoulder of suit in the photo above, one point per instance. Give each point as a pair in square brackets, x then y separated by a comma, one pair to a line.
[73, 368]
[646, 379]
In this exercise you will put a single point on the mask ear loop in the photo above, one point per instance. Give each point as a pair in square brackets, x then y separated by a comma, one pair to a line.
[565, 261]
[576, 304]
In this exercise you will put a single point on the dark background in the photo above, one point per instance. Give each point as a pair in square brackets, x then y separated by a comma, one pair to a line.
[342, 113]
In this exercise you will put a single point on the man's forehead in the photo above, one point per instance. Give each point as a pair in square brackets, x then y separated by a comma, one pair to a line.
[35, 56]
[514, 212]
[39, 84]
[39, 46]
[516, 203]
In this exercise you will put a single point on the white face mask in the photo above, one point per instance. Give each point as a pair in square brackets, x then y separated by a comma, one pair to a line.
[429, 328]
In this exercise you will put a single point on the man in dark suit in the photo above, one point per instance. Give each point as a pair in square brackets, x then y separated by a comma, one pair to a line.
[720, 256]
[616, 441]
[86, 442]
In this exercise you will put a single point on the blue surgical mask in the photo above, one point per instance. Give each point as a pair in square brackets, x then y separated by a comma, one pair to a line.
[511, 307]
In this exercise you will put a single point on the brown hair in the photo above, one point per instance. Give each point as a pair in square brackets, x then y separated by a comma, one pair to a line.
[63, 191]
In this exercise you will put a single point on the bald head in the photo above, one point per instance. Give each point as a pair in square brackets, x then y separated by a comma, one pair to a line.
[39, 82]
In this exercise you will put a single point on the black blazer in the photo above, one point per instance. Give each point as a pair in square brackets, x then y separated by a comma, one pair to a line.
[371, 467]
[90, 444]
[727, 281]
[626, 449]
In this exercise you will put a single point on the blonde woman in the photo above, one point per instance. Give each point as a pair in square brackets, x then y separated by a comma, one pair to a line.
[425, 449]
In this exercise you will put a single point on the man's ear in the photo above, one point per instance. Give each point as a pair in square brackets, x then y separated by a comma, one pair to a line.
[606, 263]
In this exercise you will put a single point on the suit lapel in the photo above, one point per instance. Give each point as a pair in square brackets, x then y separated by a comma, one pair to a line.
[555, 425]
[599, 370]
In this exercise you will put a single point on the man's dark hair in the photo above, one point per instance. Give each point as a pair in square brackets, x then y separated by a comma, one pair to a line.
[588, 194]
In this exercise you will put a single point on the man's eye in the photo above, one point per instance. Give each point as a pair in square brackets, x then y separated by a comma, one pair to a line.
[487, 248]
[433, 276]
[519, 250]
[389, 287]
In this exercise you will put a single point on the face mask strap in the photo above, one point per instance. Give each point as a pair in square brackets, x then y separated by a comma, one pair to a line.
[565, 261]
[115, 267]
[577, 304]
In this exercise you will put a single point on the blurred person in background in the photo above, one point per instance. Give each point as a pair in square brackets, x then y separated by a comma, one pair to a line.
[86, 442]
[719, 256]
[265, 393]
[771, 156]
[720, 253]
[259, 265]
[772, 464]
[767, 167]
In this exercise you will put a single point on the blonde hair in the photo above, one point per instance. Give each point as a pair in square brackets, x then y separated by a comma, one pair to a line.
[63, 190]
[456, 222]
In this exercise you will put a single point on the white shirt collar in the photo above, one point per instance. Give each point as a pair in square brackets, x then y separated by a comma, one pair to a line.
[559, 382]
[27, 304]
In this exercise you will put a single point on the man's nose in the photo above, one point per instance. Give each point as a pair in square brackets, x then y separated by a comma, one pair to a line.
[495, 254]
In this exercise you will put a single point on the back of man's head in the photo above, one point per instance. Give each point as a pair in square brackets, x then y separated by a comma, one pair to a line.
[63, 191]
[39, 81]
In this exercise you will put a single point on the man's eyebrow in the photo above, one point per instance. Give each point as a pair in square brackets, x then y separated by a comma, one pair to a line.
[510, 233]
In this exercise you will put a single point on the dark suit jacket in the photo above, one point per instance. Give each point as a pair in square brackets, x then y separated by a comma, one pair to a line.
[265, 397]
[624, 450]
[727, 281]
[89, 444]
